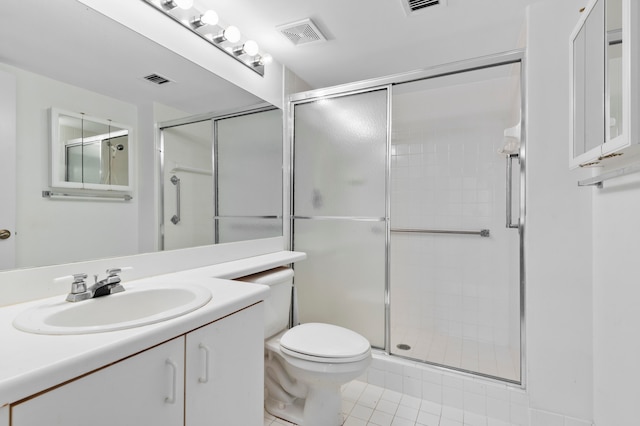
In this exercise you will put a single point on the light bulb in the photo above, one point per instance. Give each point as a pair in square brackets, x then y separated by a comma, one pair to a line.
[266, 59]
[184, 4]
[232, 34]
[209, 17]
[250, 47]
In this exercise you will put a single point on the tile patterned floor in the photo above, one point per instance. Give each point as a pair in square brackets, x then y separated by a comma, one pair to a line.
[467, 354]
[368, 405]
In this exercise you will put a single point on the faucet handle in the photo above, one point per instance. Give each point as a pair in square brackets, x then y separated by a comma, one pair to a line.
[116, 271]
[78, 287]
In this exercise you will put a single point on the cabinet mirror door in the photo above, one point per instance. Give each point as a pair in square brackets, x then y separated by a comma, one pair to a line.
[589, 82]
[89, 153]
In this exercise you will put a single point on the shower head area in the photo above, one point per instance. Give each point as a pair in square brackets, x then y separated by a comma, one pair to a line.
[410, 246]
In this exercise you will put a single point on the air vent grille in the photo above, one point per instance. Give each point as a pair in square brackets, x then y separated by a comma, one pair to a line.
[157, 79]
[421, 4]
[412, 6]
[302, 32]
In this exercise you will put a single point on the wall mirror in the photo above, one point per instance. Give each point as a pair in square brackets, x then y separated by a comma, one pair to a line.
[222, 178]
[101, 73]
[597, 81]
[90, 153]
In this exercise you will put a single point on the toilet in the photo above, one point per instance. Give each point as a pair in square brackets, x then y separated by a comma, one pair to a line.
[305, 366]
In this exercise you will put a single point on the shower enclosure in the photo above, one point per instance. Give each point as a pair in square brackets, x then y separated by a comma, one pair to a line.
[407, 194]
[222, 177]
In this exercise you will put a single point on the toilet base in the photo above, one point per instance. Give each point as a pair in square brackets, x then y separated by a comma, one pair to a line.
[290, 412]
[295, 413]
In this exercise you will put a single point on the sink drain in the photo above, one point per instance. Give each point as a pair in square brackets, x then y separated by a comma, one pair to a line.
[403, 347]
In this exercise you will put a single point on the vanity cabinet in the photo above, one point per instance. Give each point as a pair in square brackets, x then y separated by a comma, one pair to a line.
[147, 388]
[605, 53]
[225, 371]
[210, 376]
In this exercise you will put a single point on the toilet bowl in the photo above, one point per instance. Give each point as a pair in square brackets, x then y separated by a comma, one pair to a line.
[305, 366]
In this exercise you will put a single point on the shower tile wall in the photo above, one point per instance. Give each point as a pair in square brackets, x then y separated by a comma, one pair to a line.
[451, 294]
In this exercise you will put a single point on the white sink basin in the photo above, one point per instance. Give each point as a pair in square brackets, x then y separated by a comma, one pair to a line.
[134, 307]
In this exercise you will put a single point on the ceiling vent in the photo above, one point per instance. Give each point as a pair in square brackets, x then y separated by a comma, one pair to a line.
[157, 79]
[413, 6]
[302, 32]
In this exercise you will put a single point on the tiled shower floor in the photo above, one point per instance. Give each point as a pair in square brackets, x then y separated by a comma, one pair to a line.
[482, 357]
[368, 405]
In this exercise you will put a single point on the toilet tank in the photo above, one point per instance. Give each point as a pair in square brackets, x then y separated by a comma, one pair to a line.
[278, 303]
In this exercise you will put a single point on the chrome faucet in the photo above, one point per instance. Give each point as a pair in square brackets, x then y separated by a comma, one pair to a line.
[109, 285]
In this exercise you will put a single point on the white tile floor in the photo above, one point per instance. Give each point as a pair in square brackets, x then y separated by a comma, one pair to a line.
[368, 405]
[467, 354]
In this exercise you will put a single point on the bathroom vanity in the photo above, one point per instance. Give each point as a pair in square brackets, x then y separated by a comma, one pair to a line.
[203, 367]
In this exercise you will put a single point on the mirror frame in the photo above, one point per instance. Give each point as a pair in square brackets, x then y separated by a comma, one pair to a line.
[57, 154]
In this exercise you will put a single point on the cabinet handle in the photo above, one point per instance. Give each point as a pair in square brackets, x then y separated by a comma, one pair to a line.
[207, 353]
[171, 399]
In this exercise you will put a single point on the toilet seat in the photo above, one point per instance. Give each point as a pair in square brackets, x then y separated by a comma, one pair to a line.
[324, 343]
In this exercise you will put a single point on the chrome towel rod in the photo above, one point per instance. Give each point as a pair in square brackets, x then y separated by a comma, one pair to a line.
[597, 180]
[62, 195]
[482, 232]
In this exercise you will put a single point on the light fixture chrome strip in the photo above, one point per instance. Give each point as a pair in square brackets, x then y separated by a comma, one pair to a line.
[248, 49]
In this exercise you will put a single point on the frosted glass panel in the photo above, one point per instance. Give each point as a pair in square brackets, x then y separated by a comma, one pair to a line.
[188, 155]
[342, 281]
[340, 156]
[249, 165]
[239, 229]
[455, 299]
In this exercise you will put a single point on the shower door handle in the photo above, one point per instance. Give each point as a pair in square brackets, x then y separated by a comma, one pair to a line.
[510, 223]
[176, 217]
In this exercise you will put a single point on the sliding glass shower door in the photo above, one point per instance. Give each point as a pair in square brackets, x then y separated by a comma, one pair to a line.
[340, 211]
[407, 199]
[455, 271]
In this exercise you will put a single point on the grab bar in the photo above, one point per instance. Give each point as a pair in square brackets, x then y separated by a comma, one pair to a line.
[176, 217]
[510, 158]
[482, 232]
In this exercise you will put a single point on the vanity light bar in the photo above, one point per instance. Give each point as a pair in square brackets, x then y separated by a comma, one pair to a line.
[226, 40]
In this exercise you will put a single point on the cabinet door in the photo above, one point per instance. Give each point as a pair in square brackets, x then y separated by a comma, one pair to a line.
[146, 389]
[225, 368]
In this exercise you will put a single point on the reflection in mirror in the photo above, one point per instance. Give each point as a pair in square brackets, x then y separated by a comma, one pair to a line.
[248, 164]
[614, 69]
[589, 81]
[82, 70]
[222, 178]
[86, 150]
[188, 184]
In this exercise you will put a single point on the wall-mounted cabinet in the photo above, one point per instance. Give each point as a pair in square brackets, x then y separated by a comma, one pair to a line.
[604, 83]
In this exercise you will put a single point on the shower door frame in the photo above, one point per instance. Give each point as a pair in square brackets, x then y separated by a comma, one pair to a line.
[213, 117]
[386, 83]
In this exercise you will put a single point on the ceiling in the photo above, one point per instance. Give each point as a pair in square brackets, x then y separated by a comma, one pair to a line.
[373, 38]
[69, 42]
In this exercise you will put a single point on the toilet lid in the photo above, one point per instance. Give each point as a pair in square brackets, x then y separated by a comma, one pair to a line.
[326, 342]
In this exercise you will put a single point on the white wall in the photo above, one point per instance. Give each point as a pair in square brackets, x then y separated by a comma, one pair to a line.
[616, 231]
[56, 231]
[558, 232]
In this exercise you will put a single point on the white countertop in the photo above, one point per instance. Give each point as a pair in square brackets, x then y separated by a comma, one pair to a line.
[30, 363]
